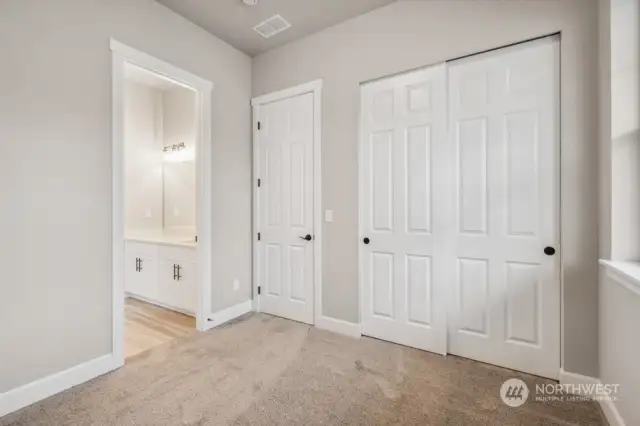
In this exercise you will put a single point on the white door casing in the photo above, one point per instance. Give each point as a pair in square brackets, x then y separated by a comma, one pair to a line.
[121, 56]
[401, 227]
[504, 153]
[285, 213]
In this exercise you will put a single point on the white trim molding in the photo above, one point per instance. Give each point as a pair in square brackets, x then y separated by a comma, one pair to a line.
[229, 314]
[310, 87]
[580, 384]
[122, 55]
[611, 413]
[33, 392]
[626, 274]
[339, 326]
[314, 87]
[585, 386]
[162, 69]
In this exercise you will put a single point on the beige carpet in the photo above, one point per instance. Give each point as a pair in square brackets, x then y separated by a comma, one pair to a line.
[262, 370]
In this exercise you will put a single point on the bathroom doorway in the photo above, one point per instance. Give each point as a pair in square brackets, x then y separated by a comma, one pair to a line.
[161, 202]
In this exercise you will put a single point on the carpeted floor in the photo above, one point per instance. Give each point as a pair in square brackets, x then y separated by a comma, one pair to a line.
[262, 370]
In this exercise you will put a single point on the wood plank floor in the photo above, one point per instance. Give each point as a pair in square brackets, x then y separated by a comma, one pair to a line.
[147, 326]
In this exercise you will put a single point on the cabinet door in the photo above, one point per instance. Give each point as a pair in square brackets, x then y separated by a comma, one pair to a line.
[177, 283]
[141, 276]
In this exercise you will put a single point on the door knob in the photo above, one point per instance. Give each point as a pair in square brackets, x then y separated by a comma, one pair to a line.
[549, 251]
[366, 240]
[307, 237]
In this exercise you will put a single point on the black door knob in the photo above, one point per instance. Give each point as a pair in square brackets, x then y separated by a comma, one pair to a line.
[307, 237]
[366, 240]
[549, 251]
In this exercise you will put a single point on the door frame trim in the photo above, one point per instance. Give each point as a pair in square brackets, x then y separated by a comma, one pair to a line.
[122, 55]
[314, 87]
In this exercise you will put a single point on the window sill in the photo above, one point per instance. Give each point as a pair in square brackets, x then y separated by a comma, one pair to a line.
[625, 273]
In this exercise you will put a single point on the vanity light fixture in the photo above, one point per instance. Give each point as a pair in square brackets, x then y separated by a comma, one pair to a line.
[174, 147]
[177, 153]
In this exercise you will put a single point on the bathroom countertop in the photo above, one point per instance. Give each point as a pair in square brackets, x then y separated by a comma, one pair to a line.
[159, 237]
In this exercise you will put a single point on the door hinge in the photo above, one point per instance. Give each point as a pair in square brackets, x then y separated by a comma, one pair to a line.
[258, 289]
[258, 236]
[259, 125]
[258, 183]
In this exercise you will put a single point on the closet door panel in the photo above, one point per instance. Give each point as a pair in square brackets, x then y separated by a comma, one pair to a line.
[403, 187]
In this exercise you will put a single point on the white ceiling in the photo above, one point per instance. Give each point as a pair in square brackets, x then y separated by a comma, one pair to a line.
[233, 22]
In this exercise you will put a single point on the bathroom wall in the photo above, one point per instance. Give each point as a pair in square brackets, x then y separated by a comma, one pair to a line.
[160, 188]
[179, 121]
[143, 156]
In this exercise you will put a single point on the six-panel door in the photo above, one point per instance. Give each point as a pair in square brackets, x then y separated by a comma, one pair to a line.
[459, 199]
[402, 185]
[504, 145]
[285, 218]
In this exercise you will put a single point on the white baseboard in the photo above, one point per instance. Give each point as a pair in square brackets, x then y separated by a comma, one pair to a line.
[33, 392]
[611, 413]
[583, 383]
[339, 326]
[228, 314]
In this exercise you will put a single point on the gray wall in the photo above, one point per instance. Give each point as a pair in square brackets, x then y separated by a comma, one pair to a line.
[619, 344]
[619, 313]
[55, 171]
[411, 34]
[625, 129]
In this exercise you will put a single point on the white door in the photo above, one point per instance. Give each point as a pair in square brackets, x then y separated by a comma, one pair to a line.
[401, 224]
[285, 207]
[504, 145]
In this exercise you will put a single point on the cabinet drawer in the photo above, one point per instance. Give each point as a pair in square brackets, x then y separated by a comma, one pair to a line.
[142, 249]
[182, 254]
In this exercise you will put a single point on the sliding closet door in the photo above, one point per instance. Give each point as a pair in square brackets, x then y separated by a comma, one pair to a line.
[503, 110]
[402, 183]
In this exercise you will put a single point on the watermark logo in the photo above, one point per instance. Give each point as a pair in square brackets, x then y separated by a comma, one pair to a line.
[567, 392]
[514, 392]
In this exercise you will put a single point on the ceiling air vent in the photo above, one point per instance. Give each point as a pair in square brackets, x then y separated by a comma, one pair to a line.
[272, 26]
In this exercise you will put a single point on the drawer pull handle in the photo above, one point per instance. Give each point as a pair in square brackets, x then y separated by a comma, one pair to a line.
[176, 272]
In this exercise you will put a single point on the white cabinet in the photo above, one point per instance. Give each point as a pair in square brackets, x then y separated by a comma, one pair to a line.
[177, 278]
[141, 275]
[164, 275]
